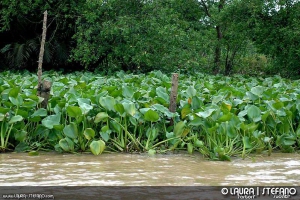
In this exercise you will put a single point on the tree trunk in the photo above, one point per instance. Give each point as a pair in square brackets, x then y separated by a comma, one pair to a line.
[173, 95]
[45, 92]
[44, 87]
[217, 61]
[230, 60]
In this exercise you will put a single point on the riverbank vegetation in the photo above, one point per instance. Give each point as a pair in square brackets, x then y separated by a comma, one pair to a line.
[238, 65]
[218, 116]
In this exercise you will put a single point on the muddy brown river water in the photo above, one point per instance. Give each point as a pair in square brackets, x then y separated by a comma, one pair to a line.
[51, 169]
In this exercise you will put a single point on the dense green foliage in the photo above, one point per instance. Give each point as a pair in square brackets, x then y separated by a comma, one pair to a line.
[217, 116]
[137, 36]
[224, 36]
[274, 29]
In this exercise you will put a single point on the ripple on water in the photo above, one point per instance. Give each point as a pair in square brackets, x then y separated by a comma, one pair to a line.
[46, 164]
[292, 163]
[6, 177]
[295, 171]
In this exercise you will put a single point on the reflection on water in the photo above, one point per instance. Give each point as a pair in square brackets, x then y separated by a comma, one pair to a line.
[51, 169]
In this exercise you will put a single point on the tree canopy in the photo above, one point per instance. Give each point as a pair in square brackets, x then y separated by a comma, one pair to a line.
[213, 36]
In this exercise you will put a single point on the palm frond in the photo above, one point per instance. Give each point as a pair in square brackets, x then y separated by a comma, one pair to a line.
[5, 48]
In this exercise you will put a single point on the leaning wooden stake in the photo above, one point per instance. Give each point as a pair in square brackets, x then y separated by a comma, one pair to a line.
[173, 95]
[45, 86]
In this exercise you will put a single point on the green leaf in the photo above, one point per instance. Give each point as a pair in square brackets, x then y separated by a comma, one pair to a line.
[196, 122]
[217, 99]
[5, 94]
[224, 158]
[251, 96]
[185, 111]
[151, 115]
[15, 119]
[89, 133]
[14, 101]
[257, 90]
[57, 109]
[190, 148]
[278, 105]
[59, 127]
[2, 116]
[206, 113]
[286, 140]
[219, 150]
[246, 142]
[23, 113]
[14, 92]
[71, 130]
[170, 135]
[199, 143]
[162, 93]
[237, 102]
[105, 128]
[254, 113]
[152, 133]
[133, 121]
[226, 107]
[105, 133]
[230, 130]
[250, 128]
[208, 85]
[66, 144]
[191, 91]
[51, 120]
[101, 116]
[129, 108]
[119, 108]
[20, 135]
[35, 119]
[163, 110]
[42, 112]
[74, 111]
[108, 102]
[225, 118]
[115, 126]
[4, 110]
[84, 104]
[265, 116]
[179, 128]
[127, 92]
[196, 103]
[298, 131]
[41, 99]
[267, 139]
[105, 136]
[97, 147]
[151, 152]
[22, 147]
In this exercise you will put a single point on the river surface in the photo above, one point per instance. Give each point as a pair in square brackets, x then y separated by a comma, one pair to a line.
[51, 169]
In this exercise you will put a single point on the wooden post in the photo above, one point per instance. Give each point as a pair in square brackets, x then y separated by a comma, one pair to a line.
[173, 95]
[45, 92]
[44, 87]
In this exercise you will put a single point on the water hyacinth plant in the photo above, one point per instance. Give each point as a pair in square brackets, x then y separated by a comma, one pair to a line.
[218, 116]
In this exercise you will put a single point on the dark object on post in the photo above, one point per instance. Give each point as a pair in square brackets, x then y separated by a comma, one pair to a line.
[173, 95]
[44, 91]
